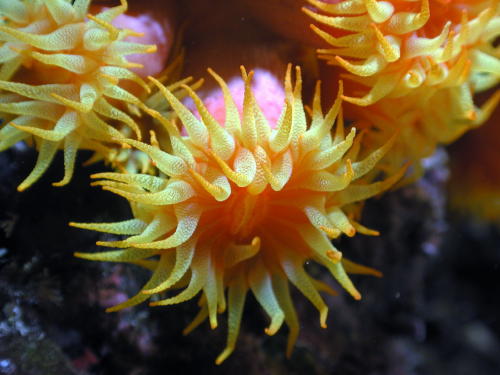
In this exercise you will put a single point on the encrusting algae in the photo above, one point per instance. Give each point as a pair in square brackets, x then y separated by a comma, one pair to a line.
[244, 206]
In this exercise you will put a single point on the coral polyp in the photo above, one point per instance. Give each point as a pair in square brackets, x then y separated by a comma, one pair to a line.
[393, 47]
[413, 66]
[125, 158]
[60, 74]
[245, 205]
[424, 121]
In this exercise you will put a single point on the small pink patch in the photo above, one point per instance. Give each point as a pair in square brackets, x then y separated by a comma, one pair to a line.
[111, 297]
[85, 361]
[160, 34]
[267, 89]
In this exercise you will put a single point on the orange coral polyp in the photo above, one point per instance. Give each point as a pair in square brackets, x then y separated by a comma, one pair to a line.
[57, 59]
[245, 206]
[403, 45]
[413, 66]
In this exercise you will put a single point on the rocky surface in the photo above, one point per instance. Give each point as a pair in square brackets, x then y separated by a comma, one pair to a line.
[435, 311]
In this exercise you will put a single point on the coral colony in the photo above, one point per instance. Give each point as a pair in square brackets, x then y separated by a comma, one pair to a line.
[234, 191]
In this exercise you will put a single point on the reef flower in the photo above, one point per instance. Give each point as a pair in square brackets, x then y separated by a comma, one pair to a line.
[59, 79]
[245, 205]
[424, 122]
[393, 47]
[414, 66]
[126, 158]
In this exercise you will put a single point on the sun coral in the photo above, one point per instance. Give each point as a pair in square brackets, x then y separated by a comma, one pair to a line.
[125, 158]
[399, 45]
[413, 66]
[423, 121]
[60, 76]
[246, 205]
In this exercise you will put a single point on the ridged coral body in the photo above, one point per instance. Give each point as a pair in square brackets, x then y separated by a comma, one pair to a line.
[244, 208]
[474, 184]
[60, 73]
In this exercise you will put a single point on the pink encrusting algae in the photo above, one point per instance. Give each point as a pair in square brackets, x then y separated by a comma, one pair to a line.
[270, 97]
